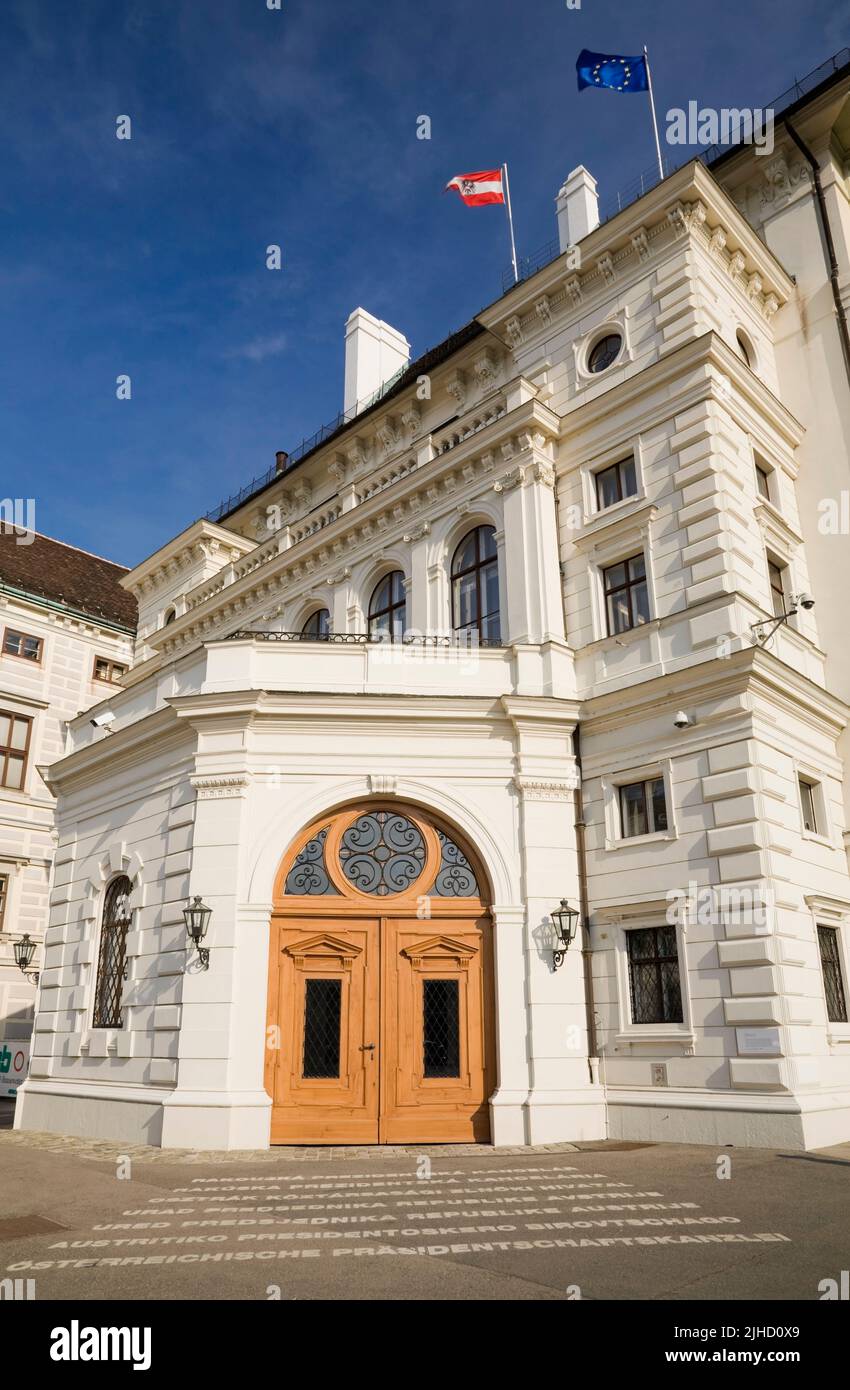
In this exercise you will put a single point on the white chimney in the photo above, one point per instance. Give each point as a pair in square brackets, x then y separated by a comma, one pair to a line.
[578, 207]
[374, 351]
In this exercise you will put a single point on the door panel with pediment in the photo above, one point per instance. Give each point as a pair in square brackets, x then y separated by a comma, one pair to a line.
[380, 984]
[323, 1073]
[435, 1077]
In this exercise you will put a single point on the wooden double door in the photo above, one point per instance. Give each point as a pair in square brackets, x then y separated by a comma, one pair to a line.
[380, 1024]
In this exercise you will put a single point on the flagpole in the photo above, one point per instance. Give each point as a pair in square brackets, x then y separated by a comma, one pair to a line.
[654, 117]
[510, 223]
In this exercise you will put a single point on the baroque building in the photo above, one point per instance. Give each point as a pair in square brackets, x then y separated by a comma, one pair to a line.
[550, 615]
[66, 637]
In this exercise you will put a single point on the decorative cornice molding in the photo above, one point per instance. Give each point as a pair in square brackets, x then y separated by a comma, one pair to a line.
[221, 787]
[523, 474]
[545, 789]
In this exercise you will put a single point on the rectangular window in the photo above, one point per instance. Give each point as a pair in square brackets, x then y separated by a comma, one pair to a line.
[4, 896]
[322, 1013]
[616, 483]
[777, 575]
[626, 595]
[654, 981]
[21, 644]
[106, 670]
[441, 1027]
[833, 983]
[14, 747]
[643, 808]
[808, 805]
[763, 481]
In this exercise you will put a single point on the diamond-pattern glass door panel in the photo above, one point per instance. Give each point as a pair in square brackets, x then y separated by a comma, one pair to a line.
[441, 1027]
[322, 1050]
[322, 1016]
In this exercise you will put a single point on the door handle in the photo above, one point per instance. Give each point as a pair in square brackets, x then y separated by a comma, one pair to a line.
[367, 1047]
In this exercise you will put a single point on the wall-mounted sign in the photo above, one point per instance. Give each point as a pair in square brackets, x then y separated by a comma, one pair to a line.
[14, 1061]
[759, 1042]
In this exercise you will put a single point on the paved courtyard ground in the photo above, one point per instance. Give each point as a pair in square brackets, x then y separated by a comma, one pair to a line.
[90, 1220]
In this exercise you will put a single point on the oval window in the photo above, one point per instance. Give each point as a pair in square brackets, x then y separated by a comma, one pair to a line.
[606, 351]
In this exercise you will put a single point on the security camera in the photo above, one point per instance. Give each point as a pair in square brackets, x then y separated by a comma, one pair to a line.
[804, 601]
[681, 720]
[103, 721]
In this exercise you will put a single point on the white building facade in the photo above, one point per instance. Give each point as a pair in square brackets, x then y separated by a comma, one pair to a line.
[66, 637]
[501, 641]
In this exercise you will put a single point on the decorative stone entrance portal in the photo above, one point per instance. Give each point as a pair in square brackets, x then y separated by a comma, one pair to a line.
[380, 984]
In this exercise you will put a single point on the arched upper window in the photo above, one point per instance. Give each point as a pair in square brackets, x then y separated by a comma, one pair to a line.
[170, 616]
[475, 585]
[745, 347]
[388, 606]
[112, 958]
[318, 625]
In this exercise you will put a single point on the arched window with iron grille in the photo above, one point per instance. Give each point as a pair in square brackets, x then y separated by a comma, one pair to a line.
[112, 957]
[475, 586]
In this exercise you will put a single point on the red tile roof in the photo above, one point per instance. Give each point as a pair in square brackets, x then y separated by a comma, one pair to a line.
[52, 570]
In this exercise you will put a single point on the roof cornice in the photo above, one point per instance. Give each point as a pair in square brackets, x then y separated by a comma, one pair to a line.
[176, 554]
[689, 203]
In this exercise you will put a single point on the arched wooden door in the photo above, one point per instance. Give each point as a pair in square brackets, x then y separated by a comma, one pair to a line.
[380, 984]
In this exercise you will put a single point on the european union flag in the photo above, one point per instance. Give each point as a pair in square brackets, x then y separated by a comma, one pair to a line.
[607, 70]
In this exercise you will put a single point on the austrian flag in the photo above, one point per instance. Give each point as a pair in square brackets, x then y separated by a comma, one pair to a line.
[476, 189]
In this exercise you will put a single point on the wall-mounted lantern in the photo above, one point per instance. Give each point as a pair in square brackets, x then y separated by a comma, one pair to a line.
[565, 922]
[196, 916]
[24, 952]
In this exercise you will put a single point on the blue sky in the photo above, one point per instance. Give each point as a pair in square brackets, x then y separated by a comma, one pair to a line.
[295, 127]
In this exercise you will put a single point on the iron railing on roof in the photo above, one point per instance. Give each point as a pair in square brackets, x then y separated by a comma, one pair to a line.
[649, 178]
[528, 266]
[229, 504]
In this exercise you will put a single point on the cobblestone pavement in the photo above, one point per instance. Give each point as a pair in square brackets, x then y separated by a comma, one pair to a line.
[85, 1219]
[112, 1149]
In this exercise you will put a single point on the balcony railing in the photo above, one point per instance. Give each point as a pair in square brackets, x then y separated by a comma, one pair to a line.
[409, 639]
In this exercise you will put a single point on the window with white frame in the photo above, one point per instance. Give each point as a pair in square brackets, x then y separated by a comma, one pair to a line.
[475, 586]
[777, 574]
[833, 975]
[318, 625]
[764, 484]
[4, 898]
[643, 807]
[812, 805]
[615, 483]
[626, 594]
[655, 987]
[388, 607]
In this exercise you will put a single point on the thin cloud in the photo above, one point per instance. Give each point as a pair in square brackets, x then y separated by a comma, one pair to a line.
[260, 348]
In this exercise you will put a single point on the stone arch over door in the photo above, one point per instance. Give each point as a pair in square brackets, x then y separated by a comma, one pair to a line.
[381, 998]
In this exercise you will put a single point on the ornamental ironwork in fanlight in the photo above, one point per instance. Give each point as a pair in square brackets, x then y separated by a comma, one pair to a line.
[381, 853]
